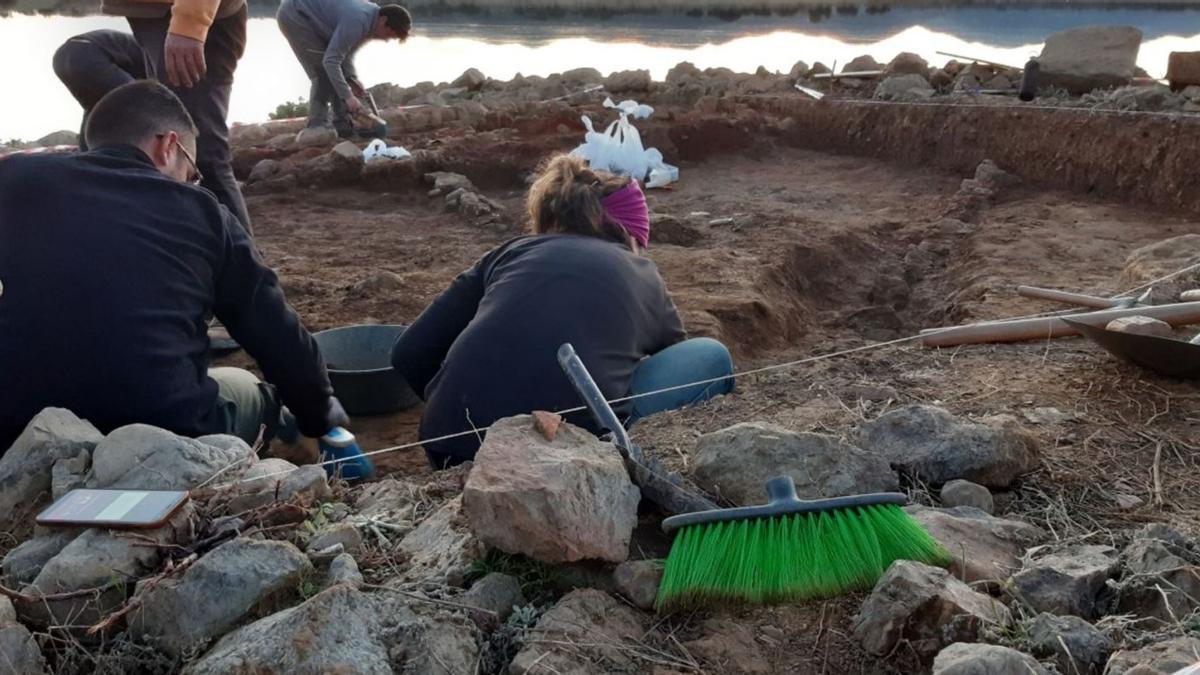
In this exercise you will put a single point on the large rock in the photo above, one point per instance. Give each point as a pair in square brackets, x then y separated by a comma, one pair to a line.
[343, 630]
[96, 559]
[26, 468]
[1154, 556]
[862, 64]
[313, 137]
[142, 457]
[19, 653]
[1066, 579]
[588, 631]
[1077, 646]
[1164, 597]
[1164, 658]
[23, 563]
[984, 548]
[273, 479]
[471, 80]
[8, 613]
[558, 500]
[442, 548]
[632, 81]
[976, 659]
[925, 607]
[1093, 57]
[904, 88]
[736, 462]
[239, 579]
[931, 444]
[907, 63]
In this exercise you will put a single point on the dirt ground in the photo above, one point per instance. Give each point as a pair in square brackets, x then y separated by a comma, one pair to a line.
[824, 253]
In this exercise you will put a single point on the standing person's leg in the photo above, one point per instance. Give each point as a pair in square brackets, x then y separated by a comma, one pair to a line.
[88, 72]
[309, 51]
[208, 100]
[694, 360]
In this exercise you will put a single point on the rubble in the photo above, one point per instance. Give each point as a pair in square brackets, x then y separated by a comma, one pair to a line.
[237, 580]
[736, 463]
[638, 581]
[1076, 645]
[345, 630]
[142, 457]
[442, 548]
[729, 648]
[496, 592]
[27, 467]
[977, 659]
[585, 632]
[907, 63]
[904, 88]
[960, 492]
[984, 548]
[925, 607]
[557, 501]
[929, 443]
[1164, 658]
[1066, 579]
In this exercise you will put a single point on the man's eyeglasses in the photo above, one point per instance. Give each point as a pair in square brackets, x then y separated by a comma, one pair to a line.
[194, 176]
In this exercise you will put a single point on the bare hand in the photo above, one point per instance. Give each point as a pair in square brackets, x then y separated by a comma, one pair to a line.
[354, 105]
[356, 87]
[184, 57]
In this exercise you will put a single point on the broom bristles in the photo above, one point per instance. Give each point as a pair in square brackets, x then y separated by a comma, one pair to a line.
[792, 557]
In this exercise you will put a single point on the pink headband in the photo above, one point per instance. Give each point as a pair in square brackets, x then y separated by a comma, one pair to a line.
[627, 207]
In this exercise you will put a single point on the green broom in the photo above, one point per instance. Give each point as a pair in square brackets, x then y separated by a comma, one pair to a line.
[789, 549]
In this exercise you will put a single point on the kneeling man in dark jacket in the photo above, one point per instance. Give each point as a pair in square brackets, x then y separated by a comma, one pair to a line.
[110, 262]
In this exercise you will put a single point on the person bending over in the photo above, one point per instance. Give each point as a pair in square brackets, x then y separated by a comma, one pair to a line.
[94, 63]
[486, 348]
[110, 261]
[324, 35]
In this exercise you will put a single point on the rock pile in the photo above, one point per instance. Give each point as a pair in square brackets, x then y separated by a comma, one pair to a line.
[471, 567]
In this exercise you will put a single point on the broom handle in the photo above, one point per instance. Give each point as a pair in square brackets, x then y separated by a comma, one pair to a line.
[603, 413]
[657, 483]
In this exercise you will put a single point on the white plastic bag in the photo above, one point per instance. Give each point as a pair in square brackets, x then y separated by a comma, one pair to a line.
[619, 148]
[377, 149]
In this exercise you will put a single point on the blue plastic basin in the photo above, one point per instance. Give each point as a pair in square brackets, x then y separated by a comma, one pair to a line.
[359, 359]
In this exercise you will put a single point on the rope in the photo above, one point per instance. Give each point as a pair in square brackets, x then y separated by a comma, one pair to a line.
[734, 376]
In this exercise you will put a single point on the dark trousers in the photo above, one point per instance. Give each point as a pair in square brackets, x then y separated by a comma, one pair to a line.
[207, 100]
[95, 63]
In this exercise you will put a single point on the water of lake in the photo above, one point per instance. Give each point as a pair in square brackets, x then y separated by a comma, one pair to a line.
[502, 46]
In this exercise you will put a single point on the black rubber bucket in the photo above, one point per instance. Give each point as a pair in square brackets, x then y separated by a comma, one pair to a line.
[359, 359]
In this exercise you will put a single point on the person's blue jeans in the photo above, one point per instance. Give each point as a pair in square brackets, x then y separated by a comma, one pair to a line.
[692, 360]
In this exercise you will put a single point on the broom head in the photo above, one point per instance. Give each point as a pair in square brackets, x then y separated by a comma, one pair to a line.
[789, 549]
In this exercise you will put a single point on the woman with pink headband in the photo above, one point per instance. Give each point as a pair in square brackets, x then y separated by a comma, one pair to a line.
[485, 349]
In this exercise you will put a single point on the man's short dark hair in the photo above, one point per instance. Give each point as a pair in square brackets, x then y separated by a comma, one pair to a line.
[397, 18]
[135, 112]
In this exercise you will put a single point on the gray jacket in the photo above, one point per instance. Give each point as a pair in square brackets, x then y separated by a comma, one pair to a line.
[342, 26]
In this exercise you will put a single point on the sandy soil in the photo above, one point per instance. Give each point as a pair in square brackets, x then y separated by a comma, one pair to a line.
[823, 253]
